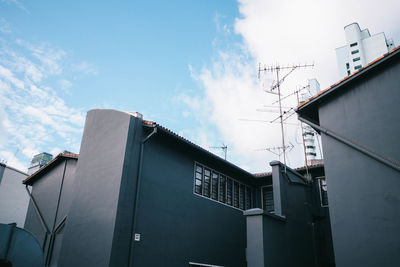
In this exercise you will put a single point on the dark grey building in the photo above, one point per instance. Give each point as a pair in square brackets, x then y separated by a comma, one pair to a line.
[143, 196]
[292, 226]
[13, 198]
[50, 198]
[358, 120]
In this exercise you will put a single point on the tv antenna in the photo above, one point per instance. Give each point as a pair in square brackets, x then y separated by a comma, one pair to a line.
[224, 149]
[277, 150]
[277, 85]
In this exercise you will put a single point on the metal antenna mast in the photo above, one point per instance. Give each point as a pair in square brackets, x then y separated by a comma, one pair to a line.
[279, 81]
[224, 149]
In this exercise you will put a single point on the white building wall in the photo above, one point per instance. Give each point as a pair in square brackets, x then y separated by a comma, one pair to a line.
[361, 48]
[14, 199]
[309, 134]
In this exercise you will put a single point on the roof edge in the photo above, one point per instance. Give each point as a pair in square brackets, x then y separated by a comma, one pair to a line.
[33, 177]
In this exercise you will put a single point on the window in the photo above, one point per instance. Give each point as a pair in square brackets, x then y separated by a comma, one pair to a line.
[353, 44]
[354, 52]
[348, 72]
[356, 59]
[229, 190]
[198, 180]
[357, 67]
[242, 193]
[347, 66]
[248, 198]
[207, 176]
[323, 191]
[268, 198]
[236, 194]
[214, 186]
[218, 187]
[222, 189]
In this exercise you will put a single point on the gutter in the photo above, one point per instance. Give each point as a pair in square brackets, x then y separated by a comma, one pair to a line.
[366, 151]
[138, 183]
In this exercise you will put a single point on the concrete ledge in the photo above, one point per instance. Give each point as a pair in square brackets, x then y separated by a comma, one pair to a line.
[257, 211]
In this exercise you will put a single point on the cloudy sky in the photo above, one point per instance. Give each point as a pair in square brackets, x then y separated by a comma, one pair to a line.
[189, 65]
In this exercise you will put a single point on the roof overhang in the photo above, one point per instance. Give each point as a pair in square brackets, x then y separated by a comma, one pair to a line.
[36, 175]
[309, 108]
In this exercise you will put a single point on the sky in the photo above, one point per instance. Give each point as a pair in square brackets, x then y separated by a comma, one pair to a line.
[191, 66]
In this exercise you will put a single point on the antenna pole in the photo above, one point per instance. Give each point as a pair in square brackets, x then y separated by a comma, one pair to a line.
[302, 137]
[281, 117]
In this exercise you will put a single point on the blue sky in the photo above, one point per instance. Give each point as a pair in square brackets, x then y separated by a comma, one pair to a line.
[189, 65]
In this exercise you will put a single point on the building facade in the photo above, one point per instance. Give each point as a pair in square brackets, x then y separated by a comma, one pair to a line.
[143, 196]
[13, 198]
[358, 121]
[361, 48]
[50, 192]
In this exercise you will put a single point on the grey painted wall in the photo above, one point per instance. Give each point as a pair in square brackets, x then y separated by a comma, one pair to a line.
[363, 193]
[53, 192]
[175, 225]
[13, 197]
[300, 235]
[92, 222]
[178, 226]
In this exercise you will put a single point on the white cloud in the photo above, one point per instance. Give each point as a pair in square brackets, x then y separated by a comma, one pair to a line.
[85, 67]
[281, 32]
[64, 84]
[34, 117]
[4, 26]
[17, 3]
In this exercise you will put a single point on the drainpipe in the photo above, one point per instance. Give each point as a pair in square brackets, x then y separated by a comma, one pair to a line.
[390, 163]
[138, 183]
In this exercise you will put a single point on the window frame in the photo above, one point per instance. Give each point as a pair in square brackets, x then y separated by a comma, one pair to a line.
[319, 179]
[246, 186]
[262, 197]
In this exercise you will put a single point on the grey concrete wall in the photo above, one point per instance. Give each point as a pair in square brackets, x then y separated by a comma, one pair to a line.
[13, 198]
[178, 226]
[53, 192]
[301, 236]
[364, 194]
[92, 225]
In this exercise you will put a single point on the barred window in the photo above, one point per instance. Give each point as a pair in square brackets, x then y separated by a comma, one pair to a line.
[229, 190]
[323, 191]
[222, 189]
[198, 180]
[218, 187]
[214, 186]
[207, 179]
[236, 194]
[241, 196]
[268, 198]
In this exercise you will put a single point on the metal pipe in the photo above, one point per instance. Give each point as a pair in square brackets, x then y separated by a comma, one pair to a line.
[138, 182]
[392, 164]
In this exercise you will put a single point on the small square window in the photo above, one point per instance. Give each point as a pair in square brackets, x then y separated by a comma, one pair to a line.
[354, 52]
[353, 44]
[357, 67]
[356, 59]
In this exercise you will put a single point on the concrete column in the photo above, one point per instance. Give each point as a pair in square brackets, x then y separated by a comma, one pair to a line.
[255, 237]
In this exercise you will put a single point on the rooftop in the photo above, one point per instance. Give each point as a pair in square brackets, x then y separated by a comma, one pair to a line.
[32, 178]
